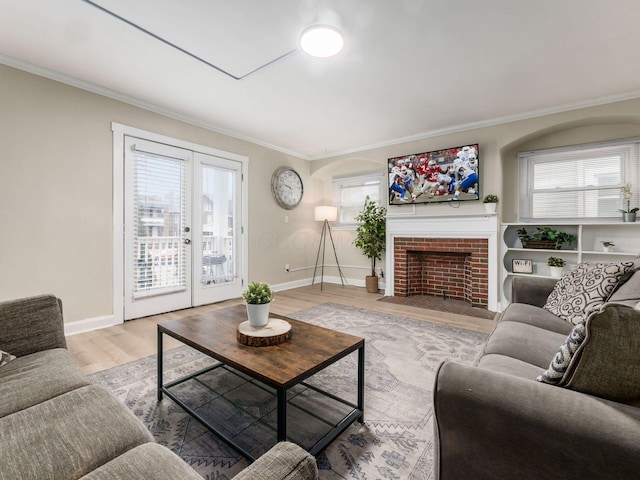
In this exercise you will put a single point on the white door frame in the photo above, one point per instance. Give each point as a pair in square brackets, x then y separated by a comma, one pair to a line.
[119, 132]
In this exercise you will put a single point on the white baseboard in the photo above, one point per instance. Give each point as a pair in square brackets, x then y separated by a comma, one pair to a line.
[88, 325]
[355, 282]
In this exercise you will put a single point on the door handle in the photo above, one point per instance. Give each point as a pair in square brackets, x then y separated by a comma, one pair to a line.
[187, 241]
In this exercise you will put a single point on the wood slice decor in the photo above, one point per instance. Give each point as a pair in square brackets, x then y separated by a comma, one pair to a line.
[275, 332]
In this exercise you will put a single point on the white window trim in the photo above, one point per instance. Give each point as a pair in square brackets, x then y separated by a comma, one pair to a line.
[526, 160]
[119, 133]
[371, 177]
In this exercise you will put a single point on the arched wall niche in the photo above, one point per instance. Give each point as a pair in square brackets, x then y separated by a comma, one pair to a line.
[345, 167]
[578, 132]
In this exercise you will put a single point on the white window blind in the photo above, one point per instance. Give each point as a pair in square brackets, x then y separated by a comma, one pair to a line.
[159, 199]
[350, 193]
[582, 182]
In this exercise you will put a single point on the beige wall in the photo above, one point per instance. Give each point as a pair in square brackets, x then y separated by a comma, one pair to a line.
[499, 146]
[56, 194]
[56, 186]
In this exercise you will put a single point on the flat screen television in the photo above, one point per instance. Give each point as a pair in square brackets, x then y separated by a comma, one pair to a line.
[447, 175]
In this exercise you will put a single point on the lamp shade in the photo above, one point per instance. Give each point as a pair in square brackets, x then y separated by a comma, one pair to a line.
[323, 213]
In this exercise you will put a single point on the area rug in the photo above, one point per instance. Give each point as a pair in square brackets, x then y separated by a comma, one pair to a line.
[396, 440]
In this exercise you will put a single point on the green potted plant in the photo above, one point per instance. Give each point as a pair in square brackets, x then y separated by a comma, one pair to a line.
[545, 237]
[258, 298]
[490, 203]
[606, 245]
[371, 237]
[628, 215]
[556, 266]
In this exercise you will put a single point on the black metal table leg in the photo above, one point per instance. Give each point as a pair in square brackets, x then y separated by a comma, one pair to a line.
[159, 365]
[361, 382]
[282, 414]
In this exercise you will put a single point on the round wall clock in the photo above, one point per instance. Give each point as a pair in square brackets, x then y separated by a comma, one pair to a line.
[286, 186]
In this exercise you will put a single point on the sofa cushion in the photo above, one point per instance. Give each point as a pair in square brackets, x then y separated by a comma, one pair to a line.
[606, 362]
[34, 378]
[535, 316]
[524, 342]
[68, 436]
[286, 461]
[508, 365]
[5, 357]
[31, 325]
[629, 290]
[149, 461]
[584, 288]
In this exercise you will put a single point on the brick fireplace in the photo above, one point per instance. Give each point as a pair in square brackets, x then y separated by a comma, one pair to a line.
[454, 268]
[455, 257]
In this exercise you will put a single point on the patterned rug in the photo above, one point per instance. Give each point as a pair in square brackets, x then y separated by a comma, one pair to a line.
[396, 440]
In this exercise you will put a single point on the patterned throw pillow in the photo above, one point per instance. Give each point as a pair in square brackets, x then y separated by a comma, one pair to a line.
[562, 358]
[5, 358]
[583, 289]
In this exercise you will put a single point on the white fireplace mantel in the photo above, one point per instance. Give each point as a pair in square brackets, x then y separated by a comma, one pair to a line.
[458, 226]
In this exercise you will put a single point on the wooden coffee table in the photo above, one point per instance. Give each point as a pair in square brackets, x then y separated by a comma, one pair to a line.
[280, 367]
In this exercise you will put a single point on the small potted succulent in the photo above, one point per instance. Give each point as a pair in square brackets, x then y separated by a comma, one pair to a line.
[258, 298]
[606, 245]
[556, 266]
[490, 203]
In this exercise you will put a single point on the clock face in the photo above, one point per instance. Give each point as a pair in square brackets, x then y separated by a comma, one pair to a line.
[286, 187]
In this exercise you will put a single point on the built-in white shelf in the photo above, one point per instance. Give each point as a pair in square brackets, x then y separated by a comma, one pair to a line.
[587, 248]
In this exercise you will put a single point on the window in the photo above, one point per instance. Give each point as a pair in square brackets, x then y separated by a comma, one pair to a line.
[349, 194]
[581, 182]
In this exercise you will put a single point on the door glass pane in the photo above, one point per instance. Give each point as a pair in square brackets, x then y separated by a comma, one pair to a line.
[159, 202]
[218, 225]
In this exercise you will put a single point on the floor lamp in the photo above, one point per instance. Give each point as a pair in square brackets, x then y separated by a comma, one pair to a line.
[326, 214]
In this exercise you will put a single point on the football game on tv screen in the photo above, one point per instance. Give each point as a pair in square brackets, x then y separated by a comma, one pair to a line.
[447, 175]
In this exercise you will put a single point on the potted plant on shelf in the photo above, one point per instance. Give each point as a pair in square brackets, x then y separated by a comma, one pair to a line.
[258, 298]
[545, 238]
[371, 237]
[628, 215]
[606, 245]
[556, 266]
[490, 203]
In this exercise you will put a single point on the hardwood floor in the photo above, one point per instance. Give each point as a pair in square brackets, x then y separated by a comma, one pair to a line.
[108, 347]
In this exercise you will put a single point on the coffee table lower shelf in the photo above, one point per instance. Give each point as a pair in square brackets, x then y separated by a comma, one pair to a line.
[314, 417]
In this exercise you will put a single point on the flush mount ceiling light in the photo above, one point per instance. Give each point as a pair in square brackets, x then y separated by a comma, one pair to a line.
[321, 41]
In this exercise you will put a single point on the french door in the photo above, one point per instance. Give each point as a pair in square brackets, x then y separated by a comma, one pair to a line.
[182, 228]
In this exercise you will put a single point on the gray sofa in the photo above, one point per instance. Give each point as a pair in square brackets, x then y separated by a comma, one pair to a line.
[56, 424]
[500, 420]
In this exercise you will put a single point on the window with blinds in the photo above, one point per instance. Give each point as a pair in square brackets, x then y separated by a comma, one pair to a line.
[582, 182]
[159, 199]
[349, 195]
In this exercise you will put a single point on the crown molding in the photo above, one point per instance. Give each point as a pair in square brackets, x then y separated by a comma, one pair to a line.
[93, 88]
[567, 107]
[105, 92]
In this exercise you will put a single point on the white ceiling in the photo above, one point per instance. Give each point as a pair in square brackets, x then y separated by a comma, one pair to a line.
[410, 69]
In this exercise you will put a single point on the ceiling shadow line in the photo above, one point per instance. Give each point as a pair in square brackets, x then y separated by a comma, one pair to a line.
[186, 52]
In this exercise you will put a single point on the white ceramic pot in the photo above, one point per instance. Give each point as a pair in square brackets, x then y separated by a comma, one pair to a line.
[556, 271]
[258, 314]
[490, 207]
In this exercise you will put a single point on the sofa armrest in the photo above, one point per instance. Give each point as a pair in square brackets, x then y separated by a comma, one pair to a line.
[30, 325]
[531, 290]
[284, 460]
[492, 425]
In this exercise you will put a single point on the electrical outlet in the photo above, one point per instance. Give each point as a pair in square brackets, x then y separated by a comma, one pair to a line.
[286, 267]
